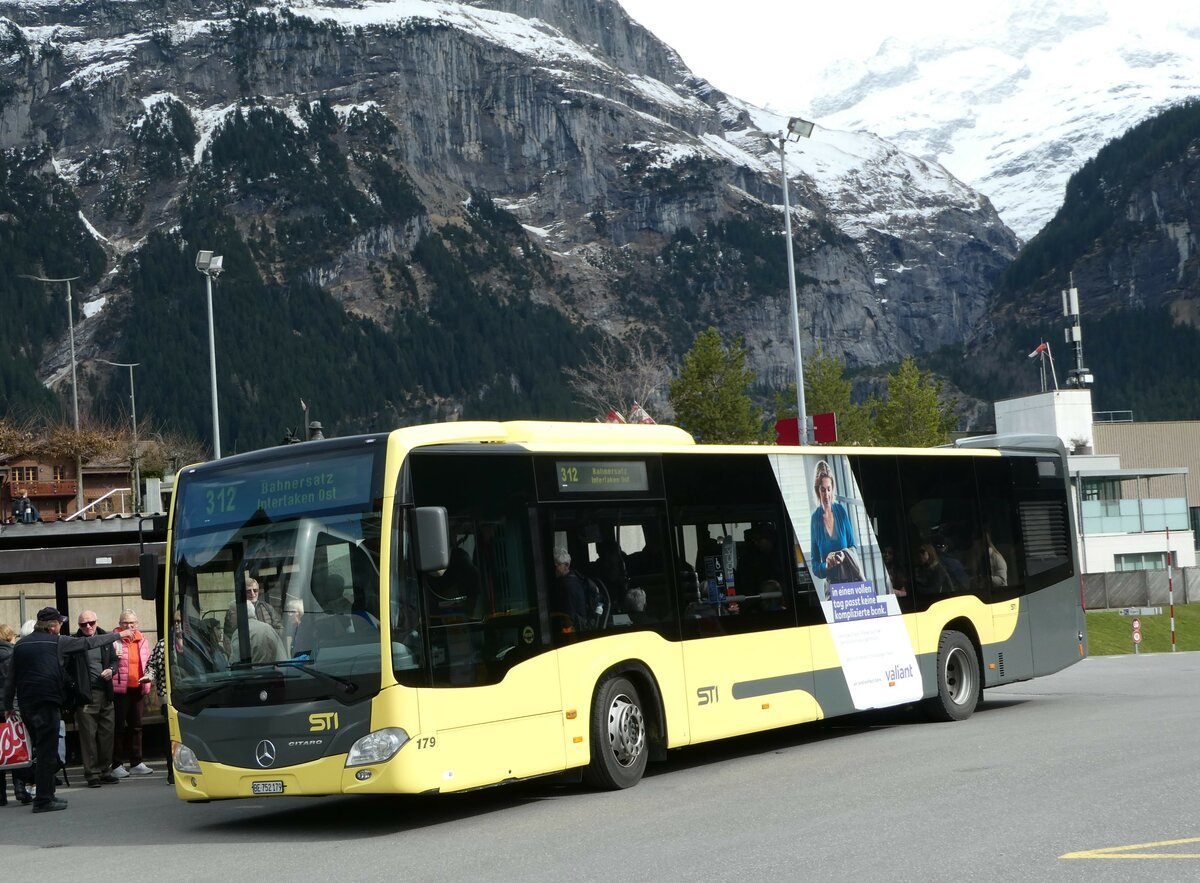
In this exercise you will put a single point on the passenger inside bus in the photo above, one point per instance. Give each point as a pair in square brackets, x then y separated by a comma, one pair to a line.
[759, 570]
[265, 644]
[329, 624]
[199, 644]
[609, 568]
[459, 588]
[929, 576]
[568, 598]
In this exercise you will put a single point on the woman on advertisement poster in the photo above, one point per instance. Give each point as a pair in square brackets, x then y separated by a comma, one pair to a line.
[833, 541]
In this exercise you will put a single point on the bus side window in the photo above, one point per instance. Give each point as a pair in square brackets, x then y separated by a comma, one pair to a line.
[878, 482]
[740, 571]
[941, 505]
[622, 549]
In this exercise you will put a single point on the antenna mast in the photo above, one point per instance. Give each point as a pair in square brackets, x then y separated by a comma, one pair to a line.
[1078, 377]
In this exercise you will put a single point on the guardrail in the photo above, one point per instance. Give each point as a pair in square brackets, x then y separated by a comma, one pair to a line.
[98, 500]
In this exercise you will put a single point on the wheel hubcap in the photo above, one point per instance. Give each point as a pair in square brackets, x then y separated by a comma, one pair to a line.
[960, 679]
[626, 730]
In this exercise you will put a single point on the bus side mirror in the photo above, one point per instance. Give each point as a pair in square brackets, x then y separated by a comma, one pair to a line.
[433, 538]
[148, 572]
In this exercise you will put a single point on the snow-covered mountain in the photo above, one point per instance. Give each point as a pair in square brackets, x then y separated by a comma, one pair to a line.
[1016, 106]
[424, 163]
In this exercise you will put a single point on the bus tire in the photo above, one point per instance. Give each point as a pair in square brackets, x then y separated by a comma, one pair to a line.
[619, 742]
[958, 681]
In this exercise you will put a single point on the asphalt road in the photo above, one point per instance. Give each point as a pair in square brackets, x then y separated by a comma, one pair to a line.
[1098, 762]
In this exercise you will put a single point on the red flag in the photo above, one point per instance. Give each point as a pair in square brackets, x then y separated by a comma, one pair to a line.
[1042, 347]
[638, 415]
[613, 417]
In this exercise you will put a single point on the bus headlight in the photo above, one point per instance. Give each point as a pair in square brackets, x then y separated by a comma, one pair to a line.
[376, 747]
[185, 760]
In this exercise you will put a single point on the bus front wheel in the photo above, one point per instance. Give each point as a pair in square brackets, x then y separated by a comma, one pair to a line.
[619, 747]
[958, 681]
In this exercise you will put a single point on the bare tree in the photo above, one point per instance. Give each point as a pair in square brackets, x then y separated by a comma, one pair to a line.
[164, 452]
[94, 439]
[620, 373]
[17, 435]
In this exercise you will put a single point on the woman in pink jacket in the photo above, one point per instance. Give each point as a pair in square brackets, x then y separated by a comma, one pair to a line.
[128, 693]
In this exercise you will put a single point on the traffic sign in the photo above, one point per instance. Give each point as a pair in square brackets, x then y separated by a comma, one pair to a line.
[1140, 611]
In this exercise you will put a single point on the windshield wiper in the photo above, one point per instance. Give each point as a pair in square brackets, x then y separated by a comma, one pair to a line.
[196, 695]
[301, 665]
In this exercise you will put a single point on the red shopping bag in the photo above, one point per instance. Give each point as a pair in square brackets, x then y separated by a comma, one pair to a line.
[15, 750]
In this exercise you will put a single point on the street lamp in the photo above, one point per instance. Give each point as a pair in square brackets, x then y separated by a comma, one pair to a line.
[796, 129]
[74, 383]
[137, 470]
[211, 266]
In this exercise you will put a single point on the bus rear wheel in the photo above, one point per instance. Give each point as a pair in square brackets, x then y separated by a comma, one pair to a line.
[619, 747]
[958, 681]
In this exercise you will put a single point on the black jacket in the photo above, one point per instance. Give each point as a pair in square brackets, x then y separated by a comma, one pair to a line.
[6, 650]
[36, 676]
[79, 678]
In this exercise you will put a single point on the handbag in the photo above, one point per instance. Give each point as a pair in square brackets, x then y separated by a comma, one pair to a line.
[16, 752]
[846, 572]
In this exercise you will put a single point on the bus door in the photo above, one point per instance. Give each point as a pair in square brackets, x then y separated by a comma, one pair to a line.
[493, 698]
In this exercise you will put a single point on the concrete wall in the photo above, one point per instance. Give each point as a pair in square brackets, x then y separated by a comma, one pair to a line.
[1140, 588]
[108, 597]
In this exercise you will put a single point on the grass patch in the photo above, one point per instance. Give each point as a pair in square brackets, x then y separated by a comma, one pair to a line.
[1109, 633]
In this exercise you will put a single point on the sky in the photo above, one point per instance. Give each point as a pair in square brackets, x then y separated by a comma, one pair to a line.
[771, 52]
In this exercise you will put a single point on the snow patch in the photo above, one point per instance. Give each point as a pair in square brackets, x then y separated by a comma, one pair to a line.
[94, 307]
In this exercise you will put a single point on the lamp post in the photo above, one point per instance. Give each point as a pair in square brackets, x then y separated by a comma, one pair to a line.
[211, 265]
[137, 469]
[74, 383]
[796, 129]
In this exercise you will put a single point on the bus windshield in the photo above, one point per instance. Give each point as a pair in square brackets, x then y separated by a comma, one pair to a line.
[275, 589]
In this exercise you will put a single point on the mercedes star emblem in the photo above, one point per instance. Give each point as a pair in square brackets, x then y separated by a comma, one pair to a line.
[265, 753]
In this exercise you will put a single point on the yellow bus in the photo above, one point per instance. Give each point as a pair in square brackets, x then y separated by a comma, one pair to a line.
[454, 606]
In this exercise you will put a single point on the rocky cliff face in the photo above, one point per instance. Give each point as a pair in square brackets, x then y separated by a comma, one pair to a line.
[333, 137]
[1160, 266]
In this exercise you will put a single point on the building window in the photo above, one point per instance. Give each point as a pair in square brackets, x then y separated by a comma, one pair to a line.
[60, 473]
[1140, 561]
[1099, 489]
[22, 474]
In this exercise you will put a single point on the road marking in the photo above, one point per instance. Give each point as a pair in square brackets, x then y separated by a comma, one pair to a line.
[1128, 851]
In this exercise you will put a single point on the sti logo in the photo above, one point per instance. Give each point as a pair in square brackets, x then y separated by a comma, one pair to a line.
[706, 695]
[324, 720]
[899, 673]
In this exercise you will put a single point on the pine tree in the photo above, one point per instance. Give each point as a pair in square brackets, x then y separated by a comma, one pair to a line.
[913, 416]
[826, 388]
[709, 396]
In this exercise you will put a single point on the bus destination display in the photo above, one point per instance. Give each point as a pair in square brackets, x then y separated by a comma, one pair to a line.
[601, 476]
[329, 483]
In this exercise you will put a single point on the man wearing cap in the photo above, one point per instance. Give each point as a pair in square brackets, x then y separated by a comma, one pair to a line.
[37, 680]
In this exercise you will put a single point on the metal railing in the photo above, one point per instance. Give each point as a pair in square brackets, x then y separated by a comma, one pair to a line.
[98, 500]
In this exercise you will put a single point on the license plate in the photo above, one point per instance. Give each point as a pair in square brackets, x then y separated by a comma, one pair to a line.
[272, 787]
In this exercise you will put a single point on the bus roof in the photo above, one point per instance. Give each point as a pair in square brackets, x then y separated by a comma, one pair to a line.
[539, 435]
